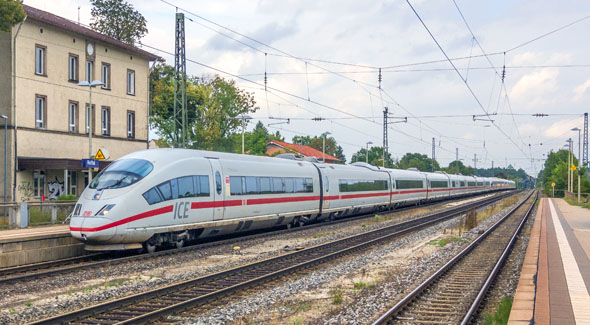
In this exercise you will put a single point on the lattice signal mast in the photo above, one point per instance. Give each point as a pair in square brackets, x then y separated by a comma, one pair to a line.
[585, 154]
[180, 109]
[385, 145]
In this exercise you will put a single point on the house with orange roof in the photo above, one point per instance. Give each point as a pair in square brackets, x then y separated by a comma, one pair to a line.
[275, 147]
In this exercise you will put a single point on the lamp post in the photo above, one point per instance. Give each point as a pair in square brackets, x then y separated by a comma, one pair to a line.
[324, 145]
[579, 159]
[367, 153]
[90, 85]
[5, 153]
[243, 118]
[568, 163]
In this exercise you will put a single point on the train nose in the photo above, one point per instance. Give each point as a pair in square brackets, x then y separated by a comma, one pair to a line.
[92, 229]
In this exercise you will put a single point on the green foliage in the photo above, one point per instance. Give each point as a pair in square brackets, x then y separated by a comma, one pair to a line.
[419, 161]
[118, 19]
[11, 13]
[555, 171]
[67, 197]
[375, 157]
[337, 298]
[213, 105]
[502, 313]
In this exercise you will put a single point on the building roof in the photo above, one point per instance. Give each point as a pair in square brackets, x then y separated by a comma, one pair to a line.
[63, 23]
[305, 150]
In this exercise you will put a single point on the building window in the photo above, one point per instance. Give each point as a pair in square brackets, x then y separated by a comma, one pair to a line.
[73, 67]
[89, 71]
[40, 60]
[106, 76]
[88, 114]
[73, 117]
[105, 119]
[130, 82]
[72, 182]
[38, 183]
[40, 111]
[131, 124]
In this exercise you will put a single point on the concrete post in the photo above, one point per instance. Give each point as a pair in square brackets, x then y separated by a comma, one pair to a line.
[24, 215]
[53, 213]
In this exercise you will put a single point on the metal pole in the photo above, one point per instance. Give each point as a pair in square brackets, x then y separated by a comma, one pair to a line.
[324, 150]
[579, 160]
[243, 130]
[568, 166]
[90, 113]
[367, 154]
[5, 157]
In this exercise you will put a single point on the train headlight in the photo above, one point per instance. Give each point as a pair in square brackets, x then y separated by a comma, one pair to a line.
[97, 195]
[105, 210]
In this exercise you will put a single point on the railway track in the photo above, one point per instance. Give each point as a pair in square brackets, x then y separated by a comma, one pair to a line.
[156, 304]
[38, 270]
[452, 295]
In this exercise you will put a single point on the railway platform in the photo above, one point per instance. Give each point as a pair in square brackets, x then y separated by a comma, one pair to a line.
[554, 285]
[37, 244]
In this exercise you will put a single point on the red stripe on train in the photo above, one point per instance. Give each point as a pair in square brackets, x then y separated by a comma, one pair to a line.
[142, 215]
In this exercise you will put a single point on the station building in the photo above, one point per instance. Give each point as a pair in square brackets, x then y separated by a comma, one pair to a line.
[42, 61]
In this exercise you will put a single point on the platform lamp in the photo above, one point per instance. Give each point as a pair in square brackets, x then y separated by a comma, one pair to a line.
[90, 85]
[5, 153]
[579, 160]
[244, 118]
[367, 153]
[323, 135]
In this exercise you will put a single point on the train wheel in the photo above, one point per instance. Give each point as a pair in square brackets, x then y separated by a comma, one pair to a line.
[180, 243]
[150, 248]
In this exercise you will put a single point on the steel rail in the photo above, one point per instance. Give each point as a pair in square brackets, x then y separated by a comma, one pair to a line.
[484, 289]
[442, 270]
[23, 272]
[247, 275]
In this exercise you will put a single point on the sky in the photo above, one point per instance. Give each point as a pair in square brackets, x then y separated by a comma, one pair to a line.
[299, 43]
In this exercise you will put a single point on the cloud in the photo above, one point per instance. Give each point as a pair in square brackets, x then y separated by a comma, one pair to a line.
[535, 89]
[561, 129]
[581, 90]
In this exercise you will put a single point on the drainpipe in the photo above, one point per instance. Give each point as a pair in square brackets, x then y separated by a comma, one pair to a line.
[14, 107]
[149, 105]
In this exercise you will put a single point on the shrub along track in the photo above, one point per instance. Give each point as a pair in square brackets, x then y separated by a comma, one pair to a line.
[452, 295]
[156, 304]
[45, 269]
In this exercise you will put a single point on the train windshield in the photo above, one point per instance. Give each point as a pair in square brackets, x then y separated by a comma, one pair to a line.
[122, 173]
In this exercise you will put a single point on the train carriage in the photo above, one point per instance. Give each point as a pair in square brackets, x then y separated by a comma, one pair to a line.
[157, 197]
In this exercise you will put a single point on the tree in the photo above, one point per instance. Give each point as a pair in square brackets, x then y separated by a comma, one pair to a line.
[212, 108]
[118, 19]
[375, 157]
[418, 161]
[11, 13]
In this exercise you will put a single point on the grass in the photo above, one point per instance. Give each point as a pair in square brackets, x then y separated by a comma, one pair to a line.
[360, 285]
[502, 313]
[28, 304]
[114, 283]
[303, 306]
[337, 297]
[445, 240]
[575, 203]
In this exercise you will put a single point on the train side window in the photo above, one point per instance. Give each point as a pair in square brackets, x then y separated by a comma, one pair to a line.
[186, 187]
[218, 182]
[235, 185]
[265, 185]
[298, 185]
[204, 185]
[174, 186]
[251, 185]
[308, 185]
[165, 190]
[152, 196]
[278, 186]
[289, 187]
[326, 184]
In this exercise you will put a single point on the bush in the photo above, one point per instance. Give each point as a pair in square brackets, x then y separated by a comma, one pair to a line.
[67, 197]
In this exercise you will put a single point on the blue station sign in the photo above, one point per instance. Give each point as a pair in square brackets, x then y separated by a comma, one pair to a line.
[90, 163]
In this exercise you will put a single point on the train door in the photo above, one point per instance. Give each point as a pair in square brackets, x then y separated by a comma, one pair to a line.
[218, 189]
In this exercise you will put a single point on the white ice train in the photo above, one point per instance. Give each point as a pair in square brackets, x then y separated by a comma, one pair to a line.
[168, 196]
